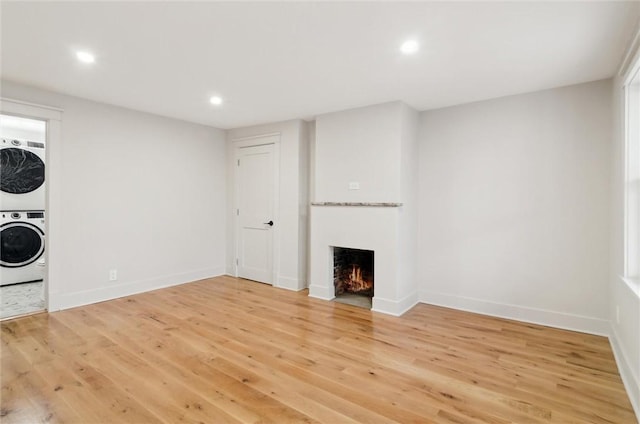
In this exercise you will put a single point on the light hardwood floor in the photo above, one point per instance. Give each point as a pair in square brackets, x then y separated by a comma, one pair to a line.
[229, 350]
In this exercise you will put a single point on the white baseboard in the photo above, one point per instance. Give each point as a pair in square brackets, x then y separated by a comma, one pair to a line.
[562, 320]
[631, 381]
[320, 292]
[289, 284]
[60, 301]
[394, 307]
[385, 306]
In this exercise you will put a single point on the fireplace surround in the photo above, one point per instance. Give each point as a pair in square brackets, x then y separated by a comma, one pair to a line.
[377, 229]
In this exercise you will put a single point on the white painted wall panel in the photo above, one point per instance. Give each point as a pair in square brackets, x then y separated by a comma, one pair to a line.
[514, 202]
[362, 146]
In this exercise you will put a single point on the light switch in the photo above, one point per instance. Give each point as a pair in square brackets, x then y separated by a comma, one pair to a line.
[354, 185]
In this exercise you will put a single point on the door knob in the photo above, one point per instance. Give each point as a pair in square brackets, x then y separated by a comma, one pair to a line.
[270, 223]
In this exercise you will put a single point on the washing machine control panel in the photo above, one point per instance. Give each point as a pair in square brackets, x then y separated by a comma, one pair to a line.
[19, 143]
[29, 215]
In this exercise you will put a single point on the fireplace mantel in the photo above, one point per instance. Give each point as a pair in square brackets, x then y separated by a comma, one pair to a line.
[361, 204]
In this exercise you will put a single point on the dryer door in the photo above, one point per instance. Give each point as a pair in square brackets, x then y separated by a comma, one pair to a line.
[22, 244]
[21, 171]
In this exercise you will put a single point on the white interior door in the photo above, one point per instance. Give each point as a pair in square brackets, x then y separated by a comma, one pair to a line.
[255, 194]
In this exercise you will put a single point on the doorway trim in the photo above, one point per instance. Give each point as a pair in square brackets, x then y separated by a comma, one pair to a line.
[252, 141]
[53, 201]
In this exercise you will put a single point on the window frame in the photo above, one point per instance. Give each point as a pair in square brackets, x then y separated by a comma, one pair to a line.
[631, 272]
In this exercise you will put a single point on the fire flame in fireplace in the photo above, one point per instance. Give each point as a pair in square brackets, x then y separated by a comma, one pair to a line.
[356, 282]
[353, 271]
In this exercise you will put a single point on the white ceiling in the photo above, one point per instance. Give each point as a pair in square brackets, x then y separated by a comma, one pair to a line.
[278, 61]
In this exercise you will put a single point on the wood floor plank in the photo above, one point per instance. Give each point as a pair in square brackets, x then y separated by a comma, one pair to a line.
[226, 350]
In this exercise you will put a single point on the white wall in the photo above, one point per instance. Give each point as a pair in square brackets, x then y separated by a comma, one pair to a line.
[408, 214]
[624, 304]
[303, 203]
[359, 145]
[311, 184]
[291, 249]
[514, 216]
[140, 193]
[311, 131]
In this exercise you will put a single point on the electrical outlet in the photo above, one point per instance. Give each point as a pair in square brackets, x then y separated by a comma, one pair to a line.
[113, 274]
[354, 185]
[617, 314]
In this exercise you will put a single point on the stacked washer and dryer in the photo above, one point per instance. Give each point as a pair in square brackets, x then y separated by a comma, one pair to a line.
[22, 208]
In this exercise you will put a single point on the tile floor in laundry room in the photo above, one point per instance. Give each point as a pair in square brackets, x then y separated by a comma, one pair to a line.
[21, 299]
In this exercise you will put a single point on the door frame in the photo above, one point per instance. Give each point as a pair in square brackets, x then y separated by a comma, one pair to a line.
[53, 202]
[252, 141]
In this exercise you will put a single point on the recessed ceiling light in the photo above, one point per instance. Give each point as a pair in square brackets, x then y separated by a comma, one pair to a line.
[216, 100]
[409, 47]
[85, 57]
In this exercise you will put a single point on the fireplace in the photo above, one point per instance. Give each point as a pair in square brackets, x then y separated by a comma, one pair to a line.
[388, 238]
[353, 276]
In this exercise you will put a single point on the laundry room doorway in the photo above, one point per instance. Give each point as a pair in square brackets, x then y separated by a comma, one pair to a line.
[25, 135]
[22, 215]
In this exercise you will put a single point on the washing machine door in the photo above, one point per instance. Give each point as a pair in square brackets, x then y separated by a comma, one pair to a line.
[21, 171]
[22, 243]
